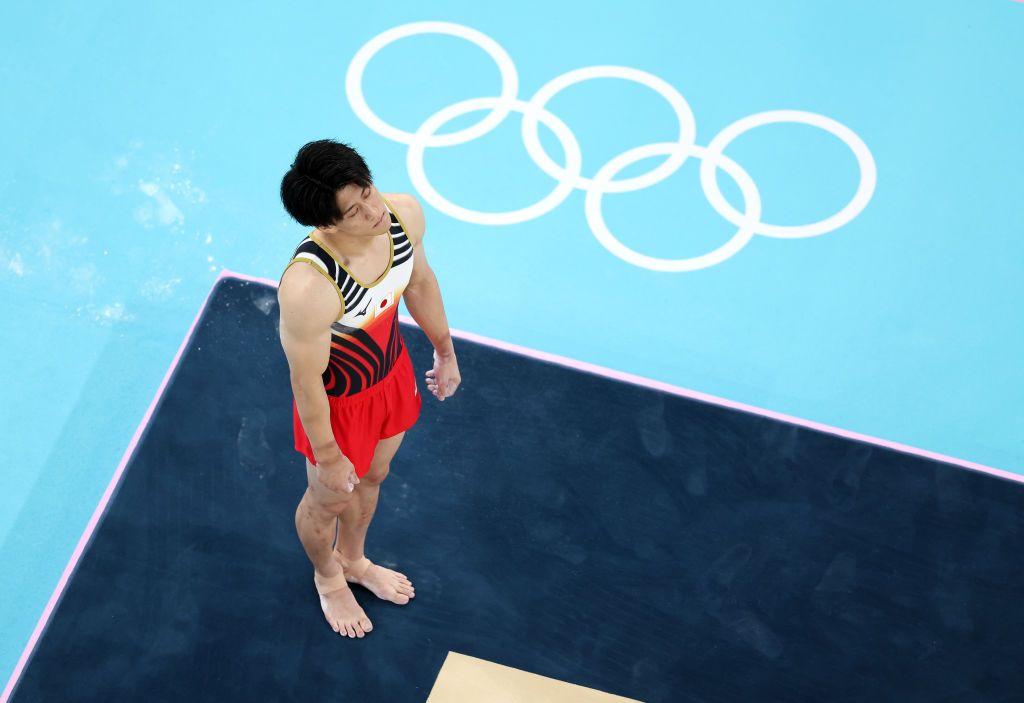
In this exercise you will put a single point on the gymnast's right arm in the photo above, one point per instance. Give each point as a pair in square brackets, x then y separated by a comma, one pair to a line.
[308, 307]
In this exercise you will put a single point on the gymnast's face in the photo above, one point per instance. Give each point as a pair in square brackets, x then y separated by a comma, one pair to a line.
[363, 212]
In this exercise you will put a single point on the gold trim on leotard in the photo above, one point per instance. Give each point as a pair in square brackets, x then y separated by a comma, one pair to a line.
[322, 273]
[391, 256]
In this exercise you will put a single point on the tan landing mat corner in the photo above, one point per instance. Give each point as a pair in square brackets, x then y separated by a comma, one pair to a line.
[465, 679]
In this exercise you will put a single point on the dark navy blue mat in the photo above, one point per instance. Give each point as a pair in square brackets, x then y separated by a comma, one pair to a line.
[555, 521]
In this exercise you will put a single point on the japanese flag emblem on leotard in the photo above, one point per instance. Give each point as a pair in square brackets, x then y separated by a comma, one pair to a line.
[386, 302]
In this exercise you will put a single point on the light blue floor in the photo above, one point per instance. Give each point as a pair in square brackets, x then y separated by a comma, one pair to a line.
[144, 146]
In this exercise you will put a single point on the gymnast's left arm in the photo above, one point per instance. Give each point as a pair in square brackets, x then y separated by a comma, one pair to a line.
[423, 299]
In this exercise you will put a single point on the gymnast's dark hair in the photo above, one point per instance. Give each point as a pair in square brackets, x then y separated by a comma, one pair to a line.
[320, 170]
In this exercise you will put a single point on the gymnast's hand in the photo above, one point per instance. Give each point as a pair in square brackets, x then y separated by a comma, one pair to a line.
[337, 474]
[444, 378]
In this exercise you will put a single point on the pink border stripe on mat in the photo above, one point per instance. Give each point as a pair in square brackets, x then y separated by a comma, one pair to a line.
[97, 514]
[696, 395]
[480, 339]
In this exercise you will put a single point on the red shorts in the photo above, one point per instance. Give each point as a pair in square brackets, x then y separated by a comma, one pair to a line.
[390, 406]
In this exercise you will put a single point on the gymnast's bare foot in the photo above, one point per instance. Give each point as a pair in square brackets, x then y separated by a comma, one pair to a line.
[384, 583]
[340, 606]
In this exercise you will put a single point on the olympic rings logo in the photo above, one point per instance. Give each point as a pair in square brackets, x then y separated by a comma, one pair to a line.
[568, 178]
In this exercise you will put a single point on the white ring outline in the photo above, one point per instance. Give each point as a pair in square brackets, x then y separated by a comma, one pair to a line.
[509, 81]
[687, 125]
[743, 235]
[865, 162]
[418, 176]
